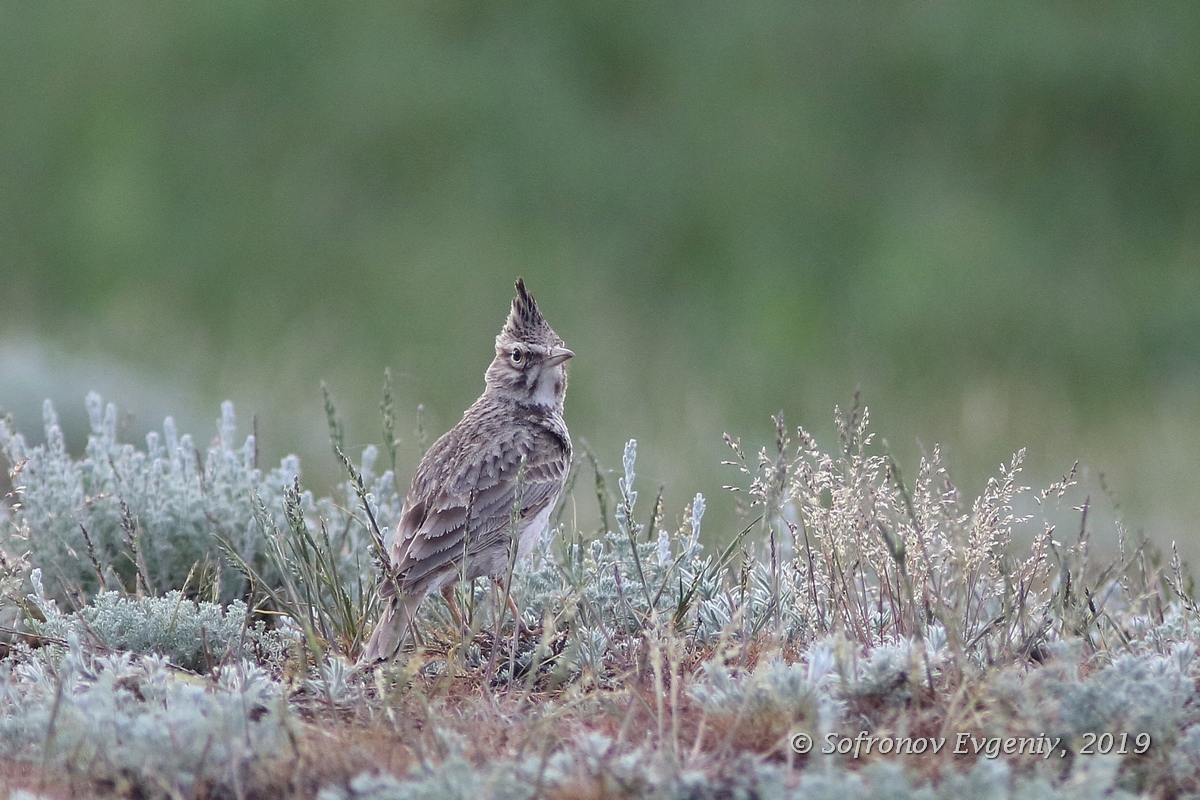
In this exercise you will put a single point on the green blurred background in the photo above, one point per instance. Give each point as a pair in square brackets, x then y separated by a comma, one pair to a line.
[984, 215]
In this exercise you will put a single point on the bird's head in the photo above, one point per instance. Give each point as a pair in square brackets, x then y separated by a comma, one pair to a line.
[531, 359]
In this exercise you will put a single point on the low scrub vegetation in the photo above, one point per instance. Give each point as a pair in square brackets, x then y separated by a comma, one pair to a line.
[185, 622]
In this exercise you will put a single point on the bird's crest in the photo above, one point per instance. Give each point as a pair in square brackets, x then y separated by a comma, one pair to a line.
[525, 322]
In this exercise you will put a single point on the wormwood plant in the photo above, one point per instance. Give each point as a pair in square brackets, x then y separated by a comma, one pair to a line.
[167, 518]
[113, 719]
[188, 634]
[130, 520]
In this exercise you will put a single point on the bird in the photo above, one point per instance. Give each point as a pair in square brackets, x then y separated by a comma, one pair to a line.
[501, 467]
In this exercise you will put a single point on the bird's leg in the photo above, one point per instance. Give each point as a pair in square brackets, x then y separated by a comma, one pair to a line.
[503, 588]
[512, 606]
[448, 596]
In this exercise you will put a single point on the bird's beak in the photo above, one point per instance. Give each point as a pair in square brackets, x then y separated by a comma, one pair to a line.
[557, 355]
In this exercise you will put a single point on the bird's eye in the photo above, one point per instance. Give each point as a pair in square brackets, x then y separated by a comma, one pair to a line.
[517, 356]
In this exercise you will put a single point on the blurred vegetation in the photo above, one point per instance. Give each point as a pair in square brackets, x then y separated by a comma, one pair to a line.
[987, 216]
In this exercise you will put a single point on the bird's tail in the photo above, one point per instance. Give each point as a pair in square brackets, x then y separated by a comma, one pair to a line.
[392, 630]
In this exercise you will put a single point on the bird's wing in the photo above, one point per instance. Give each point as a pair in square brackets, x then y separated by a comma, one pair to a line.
[471, 498]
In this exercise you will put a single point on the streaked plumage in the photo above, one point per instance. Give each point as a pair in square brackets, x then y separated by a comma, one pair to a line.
[463, 493]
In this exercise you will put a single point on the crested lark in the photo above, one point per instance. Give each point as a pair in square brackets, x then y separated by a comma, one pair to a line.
[506, 459]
